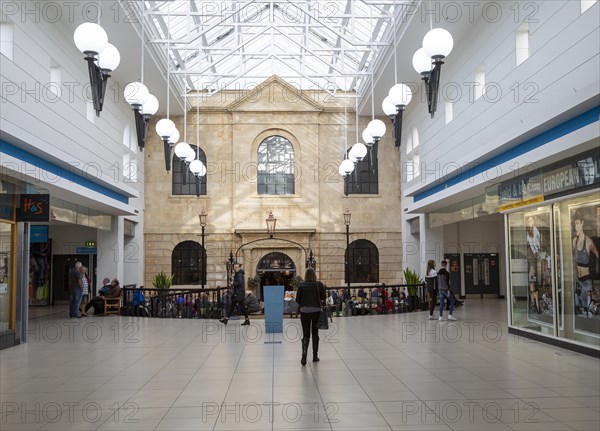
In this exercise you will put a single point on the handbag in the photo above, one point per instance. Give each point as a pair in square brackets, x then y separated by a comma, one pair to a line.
[322, 323]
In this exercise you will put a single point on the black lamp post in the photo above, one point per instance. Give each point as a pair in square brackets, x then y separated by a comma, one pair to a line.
[202, 218]
[271, 222]
[229, 263]
[311, 262]
[347, 215]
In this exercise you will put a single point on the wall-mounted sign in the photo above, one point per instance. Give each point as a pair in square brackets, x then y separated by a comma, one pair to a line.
[34, 208]
[519, 204]
[520, 192]
[38, 233]
[579, 172]
[86, 250]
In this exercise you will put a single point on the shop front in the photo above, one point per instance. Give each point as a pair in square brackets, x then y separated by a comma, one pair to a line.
[7, 265]
[553, 242]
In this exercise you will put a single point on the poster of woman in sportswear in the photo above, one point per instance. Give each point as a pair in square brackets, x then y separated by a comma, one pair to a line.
[539, 274]
[585, 222]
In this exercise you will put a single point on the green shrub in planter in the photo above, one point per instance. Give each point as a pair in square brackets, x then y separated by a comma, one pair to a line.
[162, 280]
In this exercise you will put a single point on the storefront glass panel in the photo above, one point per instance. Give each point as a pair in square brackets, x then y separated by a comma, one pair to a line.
[6, 264]
[577, 232]
[555, 269]
[532, 287]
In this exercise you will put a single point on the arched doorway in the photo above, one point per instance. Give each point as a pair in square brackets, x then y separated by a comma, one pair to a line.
[275, 269]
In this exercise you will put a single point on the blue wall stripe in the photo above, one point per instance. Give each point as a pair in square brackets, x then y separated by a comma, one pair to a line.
[543, 138]
[59, 171]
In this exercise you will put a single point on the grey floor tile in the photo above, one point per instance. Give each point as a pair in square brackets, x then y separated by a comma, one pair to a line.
[574, 414]
[372, 376]
[583, 425]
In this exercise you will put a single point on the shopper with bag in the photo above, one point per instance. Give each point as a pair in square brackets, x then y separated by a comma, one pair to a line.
[432, 289]
[310, 298]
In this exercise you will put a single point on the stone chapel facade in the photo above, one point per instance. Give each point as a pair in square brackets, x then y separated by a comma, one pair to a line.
[274, 148]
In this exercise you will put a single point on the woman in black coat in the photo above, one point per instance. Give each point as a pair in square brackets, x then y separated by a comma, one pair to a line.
[310, 297]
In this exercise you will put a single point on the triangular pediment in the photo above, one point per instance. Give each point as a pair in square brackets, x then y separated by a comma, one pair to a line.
[275, 94]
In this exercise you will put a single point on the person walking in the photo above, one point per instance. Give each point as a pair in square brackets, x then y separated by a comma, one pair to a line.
[86, 289]
[75, 290]
[310, 298]
[238, 295]
[443, 284]
[431, 282]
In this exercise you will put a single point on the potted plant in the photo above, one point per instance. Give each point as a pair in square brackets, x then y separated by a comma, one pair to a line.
[162, 280]
[413, 280]
[295, 281]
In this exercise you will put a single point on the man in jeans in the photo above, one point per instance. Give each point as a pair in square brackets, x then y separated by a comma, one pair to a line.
[238, 295]
[443, 282]
[75, 290]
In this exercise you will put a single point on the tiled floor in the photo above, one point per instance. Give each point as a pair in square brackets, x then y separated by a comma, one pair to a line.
[398, 372]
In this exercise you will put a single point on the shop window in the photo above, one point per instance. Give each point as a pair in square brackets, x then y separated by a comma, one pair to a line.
[7, 40]
[577, 245]
[522, 43]
[531, 270]
[6, 276]
[275, 161]
[554, 265]
[363, 262]
[364, 178]
[184, 182]
[188, 263]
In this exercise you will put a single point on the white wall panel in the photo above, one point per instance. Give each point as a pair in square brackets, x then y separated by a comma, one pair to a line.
[58, 130]
[561, 71]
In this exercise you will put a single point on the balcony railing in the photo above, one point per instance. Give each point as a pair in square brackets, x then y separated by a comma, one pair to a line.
[174, 303]
[211, 303]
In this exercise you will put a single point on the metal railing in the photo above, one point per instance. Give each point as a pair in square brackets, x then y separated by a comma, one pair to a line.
[211, 303]
[378, 299]
[174, 303]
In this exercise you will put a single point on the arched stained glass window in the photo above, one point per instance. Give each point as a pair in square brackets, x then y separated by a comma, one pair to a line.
[275, 167]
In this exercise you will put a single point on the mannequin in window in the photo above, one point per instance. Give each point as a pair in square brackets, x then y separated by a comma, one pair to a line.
[583, 247]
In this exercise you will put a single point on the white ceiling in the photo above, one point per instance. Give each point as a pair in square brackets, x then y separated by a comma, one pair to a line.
[331, 45]
[238, 44]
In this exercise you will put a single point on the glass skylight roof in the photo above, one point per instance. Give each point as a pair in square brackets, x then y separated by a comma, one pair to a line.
[312, 44]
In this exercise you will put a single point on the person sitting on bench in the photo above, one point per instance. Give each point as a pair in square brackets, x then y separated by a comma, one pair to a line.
[251, 303]
[114, 291]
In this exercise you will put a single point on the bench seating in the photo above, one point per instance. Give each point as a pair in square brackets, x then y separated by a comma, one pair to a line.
[113, 305]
